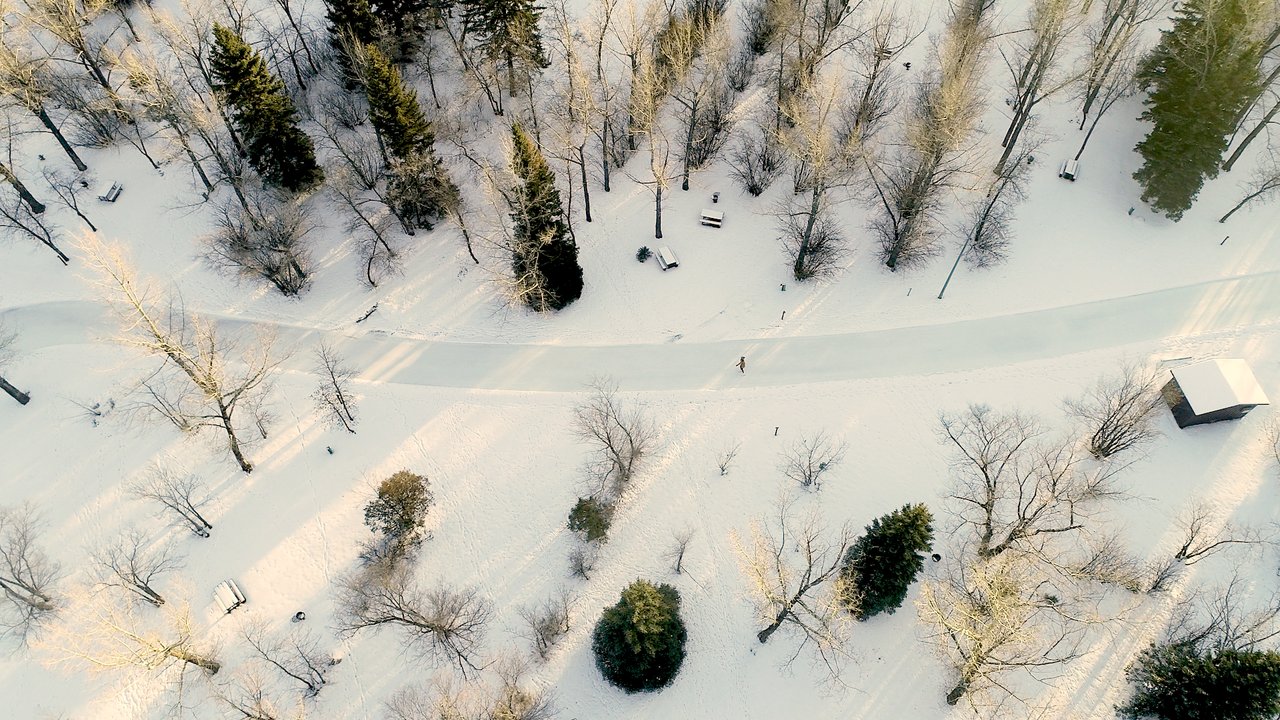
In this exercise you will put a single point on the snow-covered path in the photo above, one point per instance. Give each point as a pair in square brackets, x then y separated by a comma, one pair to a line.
[1251, 301]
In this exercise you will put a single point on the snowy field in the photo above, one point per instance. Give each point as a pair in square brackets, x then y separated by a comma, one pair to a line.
[458, 384]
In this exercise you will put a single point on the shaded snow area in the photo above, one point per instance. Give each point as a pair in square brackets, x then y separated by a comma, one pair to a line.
[457, 383]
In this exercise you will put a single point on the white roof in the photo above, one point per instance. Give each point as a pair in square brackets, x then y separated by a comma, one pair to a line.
[1217, 384]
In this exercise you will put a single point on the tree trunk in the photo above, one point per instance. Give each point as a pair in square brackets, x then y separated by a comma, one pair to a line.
[1089, 134]
[802, 253]
[763, 635]
[66, 146]
[657, 212]
[604, 153]
[186, 656]
[36, 206]
[586, 193]
[1231, 161]
[14, 392]
[232, 441]
[1265, 188]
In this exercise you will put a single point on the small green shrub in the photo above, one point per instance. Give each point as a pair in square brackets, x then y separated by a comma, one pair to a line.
[592, 518]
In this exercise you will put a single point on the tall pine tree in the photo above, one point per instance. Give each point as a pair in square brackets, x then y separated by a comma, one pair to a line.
[351, 25]
[1200, 76]
[404, 23]
[507, 32]
[419, 189]
[544, 258]
[263, 114]
[393, 108]
[883, 563]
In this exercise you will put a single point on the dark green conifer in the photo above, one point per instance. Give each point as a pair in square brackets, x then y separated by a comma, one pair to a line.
[639, 643]
[507, 33]
[1198, 79]
[263, 114]
[882, 563]
[544, 258]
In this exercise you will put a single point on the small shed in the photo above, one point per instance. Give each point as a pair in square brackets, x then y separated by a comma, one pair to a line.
[1212, 390]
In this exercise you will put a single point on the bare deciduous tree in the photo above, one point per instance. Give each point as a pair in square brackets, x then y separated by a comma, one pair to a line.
[27, 575]
[1205, 534]
[620, 435]
[999, 618]
[756, 162]
[725, 460]
[788, 562]
[333, 396]
[1120, 411]
[447, 621]
[249, 698]
[69, 189]
[582, 559]
[547, 622]
[1219, 620]
[944, 113]
[1262, 186]
[679, 546]
[111, 636]
[131, 562]
[296, 656]
[26, 79]
[7, 339]
[811, 458]
[1032, 65]
[195, 383]
[267, 241]
[510, 698]
[1013, 488]
[180, 493]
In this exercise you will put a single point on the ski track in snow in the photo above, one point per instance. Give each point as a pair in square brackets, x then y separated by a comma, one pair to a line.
[1213, 306]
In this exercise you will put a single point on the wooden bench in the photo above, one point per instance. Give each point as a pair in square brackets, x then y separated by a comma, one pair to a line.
[712, 218]
[666, 258]
[228, 596]
[112, 193]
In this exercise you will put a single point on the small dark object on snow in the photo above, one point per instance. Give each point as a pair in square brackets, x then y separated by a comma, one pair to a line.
[84, 183]
[906, 66]
[742, 364]
[784, 315]
[782, 287]
[365, 316]
[326, 447]
[1130, 211]
[715, 197]
[40, 157]
[1031, 159]
[299, 616]
[936, 557]
[643, 253]
[775, 431]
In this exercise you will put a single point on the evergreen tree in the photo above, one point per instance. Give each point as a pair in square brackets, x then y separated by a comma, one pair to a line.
[507, 32]
[420, 191]
[1181, 682]
[350, 18]
[351, 25]
[399, 509]
[882, 564]
[263, 114]
[544, 258]
[639, 643]
[394, 110]
[1200, 76]
[404, 23]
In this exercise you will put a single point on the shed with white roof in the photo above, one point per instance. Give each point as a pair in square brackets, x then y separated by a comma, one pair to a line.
[1211, 391]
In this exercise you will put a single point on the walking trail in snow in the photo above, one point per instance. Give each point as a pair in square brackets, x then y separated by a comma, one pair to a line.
[1214, 306]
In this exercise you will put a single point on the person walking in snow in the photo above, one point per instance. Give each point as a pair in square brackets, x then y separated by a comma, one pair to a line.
[742, 364]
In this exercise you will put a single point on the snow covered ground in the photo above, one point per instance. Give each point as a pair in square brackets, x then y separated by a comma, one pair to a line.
[477, 395]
